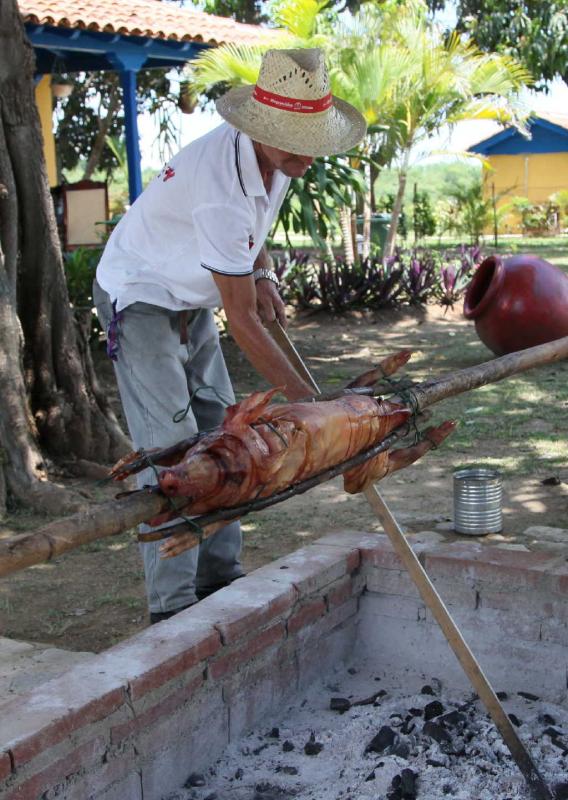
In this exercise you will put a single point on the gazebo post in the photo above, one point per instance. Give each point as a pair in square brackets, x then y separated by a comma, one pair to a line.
[128, 83]
[128, 65]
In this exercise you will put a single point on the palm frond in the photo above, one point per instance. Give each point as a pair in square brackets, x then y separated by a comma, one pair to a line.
[234, 64]
[298, 17]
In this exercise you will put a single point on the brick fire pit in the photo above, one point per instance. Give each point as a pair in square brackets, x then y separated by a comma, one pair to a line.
[135, 721]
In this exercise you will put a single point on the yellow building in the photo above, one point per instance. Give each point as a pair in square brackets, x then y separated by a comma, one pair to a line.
[534, 168]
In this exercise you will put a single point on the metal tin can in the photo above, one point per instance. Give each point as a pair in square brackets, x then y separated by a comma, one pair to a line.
[478, 496]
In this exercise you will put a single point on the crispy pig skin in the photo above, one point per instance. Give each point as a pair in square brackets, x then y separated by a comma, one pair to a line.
[261, 449]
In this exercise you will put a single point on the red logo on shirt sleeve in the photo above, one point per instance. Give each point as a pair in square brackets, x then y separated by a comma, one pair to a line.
[251, 242]
[169, 172]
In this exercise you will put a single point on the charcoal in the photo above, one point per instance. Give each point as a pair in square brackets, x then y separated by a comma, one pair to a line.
[560, 744]
[369, 701]
[433, 762]
[453, 718]
[408, 726]
[275, 733]
[403, 786]
[427, 690]
[396, 720]
[287, 746]
[528, 696]
[436, 732]
[401, 749]
[268, 791]
[341, 704]
[561, 791]
[287, 770]
[515, 720]
[312, 748]
[416, 712]
[239, 773]
[433, 709]
[502, 695]
[408, 784]
[554, 733]
[547, 719]
[384, 738]
[211, 796]
[258, 750]
[352, 671]
[370, 776]
[195, 779]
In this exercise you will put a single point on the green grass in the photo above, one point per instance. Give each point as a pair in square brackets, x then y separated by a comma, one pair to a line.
[550, 248]
[516, 424]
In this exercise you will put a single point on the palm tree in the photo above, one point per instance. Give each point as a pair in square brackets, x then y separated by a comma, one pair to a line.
[448, 80]
[395, 67]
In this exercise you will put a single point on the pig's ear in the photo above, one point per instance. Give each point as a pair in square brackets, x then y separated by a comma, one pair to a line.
[248, 410]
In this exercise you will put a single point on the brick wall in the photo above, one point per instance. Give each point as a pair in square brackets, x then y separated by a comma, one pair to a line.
[509, 604]
[135, 721]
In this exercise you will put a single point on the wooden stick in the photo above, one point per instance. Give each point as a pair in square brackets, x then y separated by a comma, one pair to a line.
[116, 516]
[449, 628]
[61, 535]
[458, 644]
[465, 380]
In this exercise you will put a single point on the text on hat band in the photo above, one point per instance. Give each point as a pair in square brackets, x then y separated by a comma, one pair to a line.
[291, 103]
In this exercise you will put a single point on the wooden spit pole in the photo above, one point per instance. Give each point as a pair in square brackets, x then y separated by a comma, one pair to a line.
[404, 551]
[116, 516]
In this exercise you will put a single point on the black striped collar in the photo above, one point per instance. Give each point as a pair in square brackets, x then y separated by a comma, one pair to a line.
[247, 168]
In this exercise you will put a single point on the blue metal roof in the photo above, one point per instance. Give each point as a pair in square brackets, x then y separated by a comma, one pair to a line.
[546, 137]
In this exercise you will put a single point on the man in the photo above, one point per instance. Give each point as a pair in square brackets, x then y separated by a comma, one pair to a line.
[193, 241]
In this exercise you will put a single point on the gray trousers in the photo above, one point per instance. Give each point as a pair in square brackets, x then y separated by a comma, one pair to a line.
[156, 373]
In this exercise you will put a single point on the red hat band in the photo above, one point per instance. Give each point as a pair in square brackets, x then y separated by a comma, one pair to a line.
[290, 103]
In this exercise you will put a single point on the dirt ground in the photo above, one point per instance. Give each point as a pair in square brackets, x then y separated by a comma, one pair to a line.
[94, 596]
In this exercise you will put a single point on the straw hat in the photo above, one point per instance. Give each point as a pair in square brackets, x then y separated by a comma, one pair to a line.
[291, 107]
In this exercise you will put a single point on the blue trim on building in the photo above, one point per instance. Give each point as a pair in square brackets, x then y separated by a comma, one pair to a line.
[546, 137]
[75, 50]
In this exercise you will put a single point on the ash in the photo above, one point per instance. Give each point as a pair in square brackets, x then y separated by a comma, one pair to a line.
[365, 735]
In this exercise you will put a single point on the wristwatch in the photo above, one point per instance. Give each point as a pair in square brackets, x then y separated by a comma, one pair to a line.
[269, 274]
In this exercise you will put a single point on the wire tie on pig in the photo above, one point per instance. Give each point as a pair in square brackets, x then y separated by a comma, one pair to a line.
[409, 398]
[274, 430]
[192, 524]
[180, 415]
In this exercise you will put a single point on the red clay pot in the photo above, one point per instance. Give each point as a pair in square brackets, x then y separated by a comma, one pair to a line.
[517, 303]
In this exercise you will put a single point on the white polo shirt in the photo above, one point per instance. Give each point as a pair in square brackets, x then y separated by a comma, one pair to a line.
[207, 211]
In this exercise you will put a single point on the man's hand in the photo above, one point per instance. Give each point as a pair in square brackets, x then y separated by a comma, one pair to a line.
[239, 296]
[269, 304]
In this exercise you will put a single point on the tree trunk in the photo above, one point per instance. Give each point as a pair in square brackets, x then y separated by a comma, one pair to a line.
[347, 235]
[46, 378]
[397, 205]
[367, 207]
[374, 178]
[102, 133]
